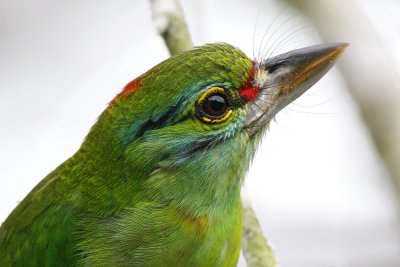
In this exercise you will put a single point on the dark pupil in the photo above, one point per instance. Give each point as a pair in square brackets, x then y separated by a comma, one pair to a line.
[215, 105]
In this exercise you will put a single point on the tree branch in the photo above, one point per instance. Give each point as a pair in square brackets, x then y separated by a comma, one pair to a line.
[170, 24]
[256, 250]
[370, 76]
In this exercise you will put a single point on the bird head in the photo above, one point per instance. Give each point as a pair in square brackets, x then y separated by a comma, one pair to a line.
[197, 117]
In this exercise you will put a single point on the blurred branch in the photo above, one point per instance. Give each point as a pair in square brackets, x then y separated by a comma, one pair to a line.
[170, 23]
[368, 72]
[255, 247]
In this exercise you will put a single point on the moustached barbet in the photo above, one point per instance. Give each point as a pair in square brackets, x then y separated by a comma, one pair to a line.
[157, 180]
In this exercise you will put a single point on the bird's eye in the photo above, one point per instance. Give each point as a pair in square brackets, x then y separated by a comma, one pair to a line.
[214, 106]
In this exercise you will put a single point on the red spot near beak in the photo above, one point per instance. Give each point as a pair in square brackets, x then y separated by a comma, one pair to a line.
[128, 90]
[248, 91]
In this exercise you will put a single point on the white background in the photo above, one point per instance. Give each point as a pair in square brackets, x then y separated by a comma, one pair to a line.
[319, 190]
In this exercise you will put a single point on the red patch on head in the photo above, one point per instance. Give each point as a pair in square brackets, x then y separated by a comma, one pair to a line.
[248, 91]
[128, 90]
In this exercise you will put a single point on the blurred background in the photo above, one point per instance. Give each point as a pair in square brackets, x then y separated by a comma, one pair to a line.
[325, 182]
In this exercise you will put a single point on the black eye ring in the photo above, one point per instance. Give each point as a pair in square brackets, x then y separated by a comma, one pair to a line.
[214, 106]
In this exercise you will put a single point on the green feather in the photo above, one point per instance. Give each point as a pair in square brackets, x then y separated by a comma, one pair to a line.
[152, 185]
[157, 180]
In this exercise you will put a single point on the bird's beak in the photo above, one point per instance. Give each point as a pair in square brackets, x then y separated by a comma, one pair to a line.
[285, 77]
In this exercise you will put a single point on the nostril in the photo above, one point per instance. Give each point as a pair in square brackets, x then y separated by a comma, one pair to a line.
[274, 67]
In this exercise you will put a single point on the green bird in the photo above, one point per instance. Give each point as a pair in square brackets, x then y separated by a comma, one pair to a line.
[157, 180]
